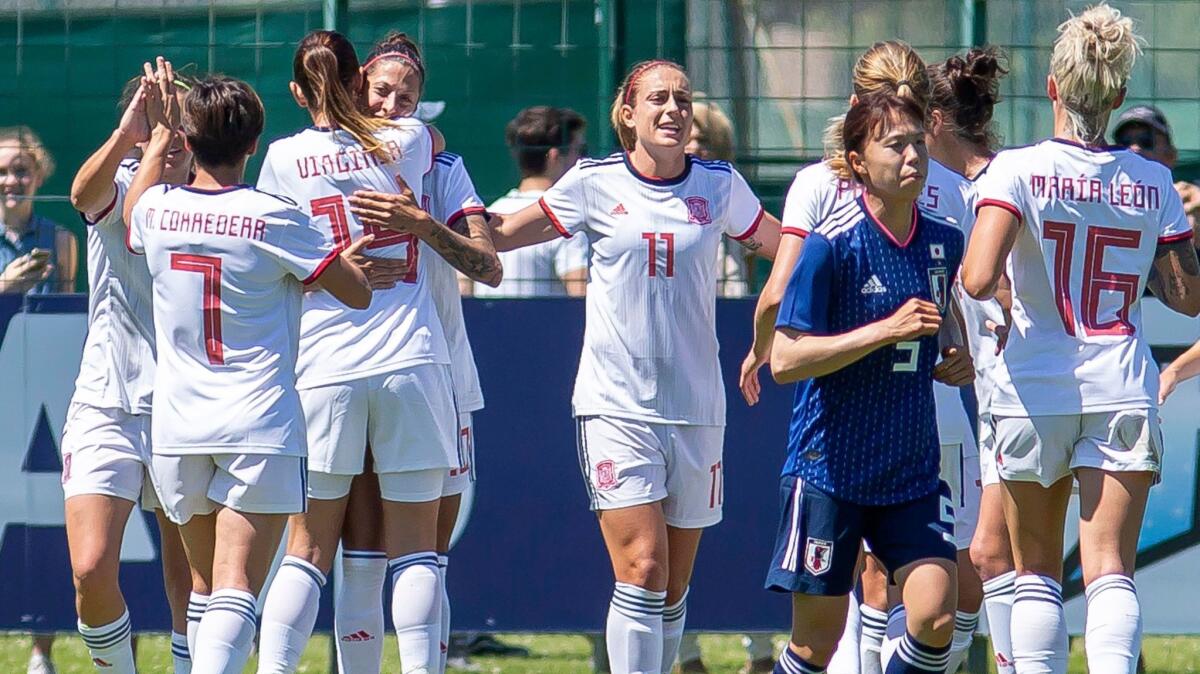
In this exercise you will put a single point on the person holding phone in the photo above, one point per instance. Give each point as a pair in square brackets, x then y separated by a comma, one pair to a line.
[37, 255]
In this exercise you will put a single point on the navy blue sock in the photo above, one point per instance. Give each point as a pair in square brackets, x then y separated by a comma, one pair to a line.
[790, 663]
[914, 657]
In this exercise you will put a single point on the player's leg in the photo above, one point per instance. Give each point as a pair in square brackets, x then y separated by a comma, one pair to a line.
[1035, 472]
[847, 655]
[1116, 463]
[873, 611]
[177, 580]
[358, 621]
[103, 474]
[456, 481]
[257, 494]
[991, 553]
[970, 587]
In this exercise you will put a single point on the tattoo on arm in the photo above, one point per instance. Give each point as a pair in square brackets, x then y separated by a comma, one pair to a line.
[1174, 273]
[476, 258]
[751, 244]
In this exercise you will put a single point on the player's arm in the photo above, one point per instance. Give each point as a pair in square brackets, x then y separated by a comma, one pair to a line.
[473, 255]
[1183, 368]
[92, 190]
[797, 355]
[527, 227]
[956, 367]
[1175, 276]
[766, 311]
[162, 116]
[992, 240]
[345, 280]
[764, 240]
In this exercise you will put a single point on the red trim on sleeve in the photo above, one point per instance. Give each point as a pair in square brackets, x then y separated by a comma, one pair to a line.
[462, 213]
[553, 220]
[753, 226]
[322, 267]
[1175, 238]
[105, 211]
[794, 231]
[1000, 204]
[127, 244]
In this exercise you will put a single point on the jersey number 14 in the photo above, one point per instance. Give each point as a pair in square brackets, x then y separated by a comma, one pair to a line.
[334, 208]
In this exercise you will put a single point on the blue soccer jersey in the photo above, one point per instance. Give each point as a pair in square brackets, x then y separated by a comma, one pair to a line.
[868, 432]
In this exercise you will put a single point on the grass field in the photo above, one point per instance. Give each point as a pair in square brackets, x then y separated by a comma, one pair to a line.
[551, 654]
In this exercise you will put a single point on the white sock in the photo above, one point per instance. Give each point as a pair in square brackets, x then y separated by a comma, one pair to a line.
[226, 633]
[181, 657]
[444, 642]
[914, 657]
[846, 657]
[997, 602]
[358, 624]
[874, 630]
[790, 663]
[674, 617]
[965, 625]
[634, 630]
[689, 648]
[897, 628]
[1039, 628]
[289, 614]
[416, 609]
[197, 603]
[1114, 625]
[110, 645]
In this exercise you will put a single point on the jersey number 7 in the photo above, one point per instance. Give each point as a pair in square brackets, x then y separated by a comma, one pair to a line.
[209, 267]
[1095, 279]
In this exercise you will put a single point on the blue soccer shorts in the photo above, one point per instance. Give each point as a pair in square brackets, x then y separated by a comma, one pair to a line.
[816, 549]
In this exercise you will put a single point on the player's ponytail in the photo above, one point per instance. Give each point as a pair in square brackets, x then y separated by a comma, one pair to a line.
[965, 89]
[1091, 62]
[326, 70]
[891, 67]
[627, 95]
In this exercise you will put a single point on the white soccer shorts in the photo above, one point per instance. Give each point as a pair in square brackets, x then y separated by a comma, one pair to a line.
[106, 451]
[407, 417]
[456, 480]
[628, 462]
[960, 471]
[196, 484]
[1045, 449]
[988, 473]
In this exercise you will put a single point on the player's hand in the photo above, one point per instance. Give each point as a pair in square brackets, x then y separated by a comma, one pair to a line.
[133, 125]
[917, 318]
[398, 212]
[1190, 193]
[1167, 381]
[25, 272]
[382, 272]
[956, 367]
[748, 381]
[161, 105]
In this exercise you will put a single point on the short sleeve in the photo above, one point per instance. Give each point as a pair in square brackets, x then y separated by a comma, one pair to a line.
[571, 255]
[1173, 223]
[999, 186]
[744, 210]
[565, 203]
[298, 245]
[268, 178]
[805, 305]
[139, 220]
[802, 206]
[456, 196]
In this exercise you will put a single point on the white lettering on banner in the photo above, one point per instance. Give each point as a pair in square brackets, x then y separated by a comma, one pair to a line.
[39, 360]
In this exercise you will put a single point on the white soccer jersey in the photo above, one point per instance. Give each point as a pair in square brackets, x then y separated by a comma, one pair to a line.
[650, 344]
[318, 169]
[227, 267]
[1090, 222]
[117, 369]
[450, 195]
[818, 195]
[534, 271]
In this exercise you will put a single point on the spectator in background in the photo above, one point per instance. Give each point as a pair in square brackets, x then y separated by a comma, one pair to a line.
[1144, 129]
[36, 254]
[546, 142]
[712, 138]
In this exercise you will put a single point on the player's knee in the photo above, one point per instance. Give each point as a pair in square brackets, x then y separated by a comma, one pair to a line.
[935, 626]
[821, 639]
[990, 555]
[95, 574]
[645, 571]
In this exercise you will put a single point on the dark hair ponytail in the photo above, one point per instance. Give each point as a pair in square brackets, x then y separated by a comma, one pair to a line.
[966, 89]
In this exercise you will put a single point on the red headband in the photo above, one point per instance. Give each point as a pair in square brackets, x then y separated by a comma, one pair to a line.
[639, 71]
[401, 54]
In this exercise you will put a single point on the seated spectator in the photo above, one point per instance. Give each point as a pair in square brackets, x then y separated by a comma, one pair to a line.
[1144, 129]
[36, 254]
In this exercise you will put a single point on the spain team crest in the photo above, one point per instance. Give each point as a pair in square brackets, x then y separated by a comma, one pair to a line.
[938, 281]
[818, 556]
[698, 210]
[606, 475]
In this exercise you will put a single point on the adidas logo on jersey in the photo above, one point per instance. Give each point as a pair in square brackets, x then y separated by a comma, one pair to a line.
[873, 286]
[361, 635]
[619, 209]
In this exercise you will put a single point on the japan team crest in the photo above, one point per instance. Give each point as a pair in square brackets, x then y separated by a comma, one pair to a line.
[938, 280]
[698, 210]
[606, 475]
[818, 556]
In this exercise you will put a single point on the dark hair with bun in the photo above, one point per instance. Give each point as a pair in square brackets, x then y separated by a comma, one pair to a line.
[966, 88]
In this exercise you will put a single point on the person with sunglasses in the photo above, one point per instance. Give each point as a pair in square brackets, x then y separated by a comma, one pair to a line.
[1144, 130]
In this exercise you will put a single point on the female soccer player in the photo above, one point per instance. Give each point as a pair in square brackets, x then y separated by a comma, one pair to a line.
[965, 89]
[648, 397]
[395, 79]
[379, 377]
[1082, 229]
[866, 304]
[106, 448]
[227, 262]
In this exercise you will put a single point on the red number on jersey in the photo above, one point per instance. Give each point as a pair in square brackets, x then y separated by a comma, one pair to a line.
[652, 243]
[335, 209]
[1095, 278]
[387, 237]
[210, 268]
